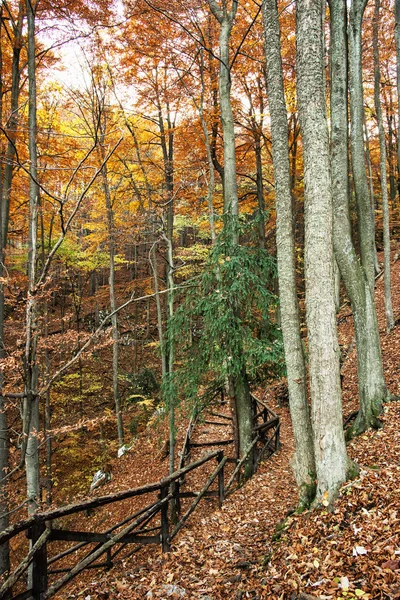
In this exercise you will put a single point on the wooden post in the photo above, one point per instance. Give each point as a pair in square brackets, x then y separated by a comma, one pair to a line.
[39, 563]
[221, 482]
[109, 559]
[164, 520]
[177, 498]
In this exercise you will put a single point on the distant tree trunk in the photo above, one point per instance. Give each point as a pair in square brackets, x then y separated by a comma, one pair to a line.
[31, 402]
[153, 263]
[211, 177]
[111, 280]
[167, 145]
[4, 520]
[390, 146]
[371, 191]
[372, 388]
[226, 19]
[11, 127]
[239, 382]
[12, 122]
[260, 187]
[364, 212]
[329, 444]
[171, 354]
[304, 461]
[382, 149]
[397, 38]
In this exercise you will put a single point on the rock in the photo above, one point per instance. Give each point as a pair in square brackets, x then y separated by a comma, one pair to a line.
[170, 589]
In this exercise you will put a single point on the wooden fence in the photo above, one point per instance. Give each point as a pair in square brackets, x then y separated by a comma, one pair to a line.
[149, 525]
[266, 438]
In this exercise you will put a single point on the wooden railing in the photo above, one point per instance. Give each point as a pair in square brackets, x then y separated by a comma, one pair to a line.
[150, 525]
[266, 438]
[267, 427]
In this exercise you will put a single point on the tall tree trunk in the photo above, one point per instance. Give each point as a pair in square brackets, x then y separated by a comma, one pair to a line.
[211, 177]
[329, 444]
[171, 354]
[4, 520]
[382, 161]
[390, 146]
[304, 461]
[113, 304]
[260, 187]
[239, 383]
[12, 122]
[31, 403]
[226, 19]
[372, 389]
[371, 191]
[153, 263]
[11, 128]
[364, 212]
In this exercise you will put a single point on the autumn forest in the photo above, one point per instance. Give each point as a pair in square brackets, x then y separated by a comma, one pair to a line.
[199, 245]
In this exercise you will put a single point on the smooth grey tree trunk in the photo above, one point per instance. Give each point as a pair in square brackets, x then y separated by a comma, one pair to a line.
[211, 176]
[226, 19]
[113, 304]
[11, 127]
[371, 191]
[364, 212]
[31, 402]
[382, 162]
[304, 461]
[372, 388]
[329, 444]
[239, 383]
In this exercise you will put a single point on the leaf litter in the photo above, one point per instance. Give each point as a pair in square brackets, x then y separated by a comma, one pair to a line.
[256, 547]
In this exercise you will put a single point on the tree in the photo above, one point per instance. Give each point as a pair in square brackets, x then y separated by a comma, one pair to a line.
[330, 450]
[304, 461]
[31, 400]
[372, 388]
[364, 212]
[382, 162]
[239, 382]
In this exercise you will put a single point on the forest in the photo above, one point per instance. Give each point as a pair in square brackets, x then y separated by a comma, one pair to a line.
[199, 290]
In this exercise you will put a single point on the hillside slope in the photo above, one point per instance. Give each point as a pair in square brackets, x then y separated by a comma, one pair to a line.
[250, 548]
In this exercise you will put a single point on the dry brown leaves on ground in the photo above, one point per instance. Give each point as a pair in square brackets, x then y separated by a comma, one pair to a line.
[239, 552]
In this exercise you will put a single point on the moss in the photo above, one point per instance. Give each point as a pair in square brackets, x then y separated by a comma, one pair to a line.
[353, 470]
[307, 493]
[266, 559]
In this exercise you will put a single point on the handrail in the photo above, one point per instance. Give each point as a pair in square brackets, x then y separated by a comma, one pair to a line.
[70, 509]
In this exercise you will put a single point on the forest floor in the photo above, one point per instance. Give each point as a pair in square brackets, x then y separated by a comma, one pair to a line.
[251, 548]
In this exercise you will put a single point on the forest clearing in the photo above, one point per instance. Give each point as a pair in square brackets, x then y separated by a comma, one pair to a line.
[199, 299]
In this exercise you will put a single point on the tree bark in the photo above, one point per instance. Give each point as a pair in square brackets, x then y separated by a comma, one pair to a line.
[372, 388]
[111, 281]
[382, 162]
[239, 382]
[12, 122]
[31, 402]
[371, 191]
[364, 213]
[304, 461]
[329, 444]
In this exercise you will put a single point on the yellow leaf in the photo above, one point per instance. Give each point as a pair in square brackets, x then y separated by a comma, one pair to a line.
[359, 593]
[316, 563]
